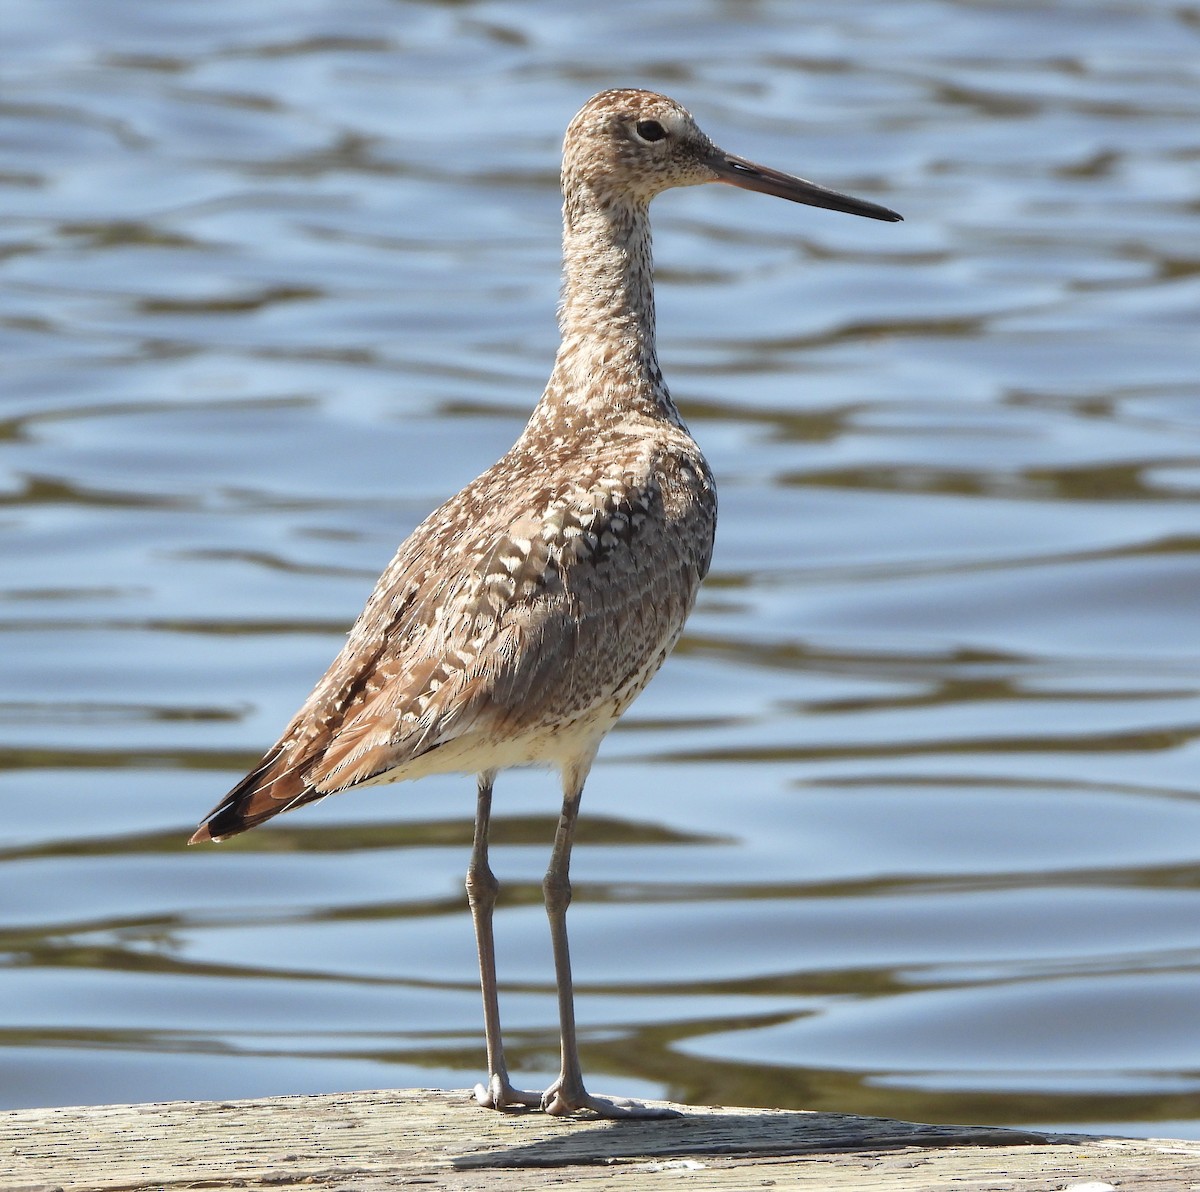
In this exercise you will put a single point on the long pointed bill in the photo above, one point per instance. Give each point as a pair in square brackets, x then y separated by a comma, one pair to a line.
[737, 171]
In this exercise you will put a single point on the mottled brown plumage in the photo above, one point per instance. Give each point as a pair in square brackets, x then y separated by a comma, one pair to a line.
[521, 618]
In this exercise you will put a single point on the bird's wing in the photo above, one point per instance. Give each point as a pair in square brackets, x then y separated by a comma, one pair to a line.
[529, 619]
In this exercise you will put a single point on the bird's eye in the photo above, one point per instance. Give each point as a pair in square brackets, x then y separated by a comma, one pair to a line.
[650, 130]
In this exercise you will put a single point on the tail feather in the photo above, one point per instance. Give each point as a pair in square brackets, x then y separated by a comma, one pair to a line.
[271, 788]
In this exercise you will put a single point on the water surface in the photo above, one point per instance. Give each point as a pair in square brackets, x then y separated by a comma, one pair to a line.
[909, 825]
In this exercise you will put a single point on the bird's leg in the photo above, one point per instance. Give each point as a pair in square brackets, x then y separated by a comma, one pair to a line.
[567, 1094]
[482, 889]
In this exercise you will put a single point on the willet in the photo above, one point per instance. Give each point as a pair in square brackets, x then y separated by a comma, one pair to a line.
[520, 620]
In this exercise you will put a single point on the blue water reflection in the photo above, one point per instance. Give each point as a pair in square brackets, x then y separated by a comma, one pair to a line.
[913, 812]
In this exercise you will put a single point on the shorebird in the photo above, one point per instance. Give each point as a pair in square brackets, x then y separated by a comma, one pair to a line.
[521, 618]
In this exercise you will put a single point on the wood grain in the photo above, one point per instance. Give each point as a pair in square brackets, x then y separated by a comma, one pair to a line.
[433, 1140]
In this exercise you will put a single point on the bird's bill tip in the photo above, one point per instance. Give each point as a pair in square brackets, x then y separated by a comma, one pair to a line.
[748, 175]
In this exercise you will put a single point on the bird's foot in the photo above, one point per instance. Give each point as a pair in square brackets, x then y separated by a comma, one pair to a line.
[499, 1093]
[559, 1101]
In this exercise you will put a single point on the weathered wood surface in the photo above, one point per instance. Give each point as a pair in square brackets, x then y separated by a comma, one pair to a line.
[379, 1141]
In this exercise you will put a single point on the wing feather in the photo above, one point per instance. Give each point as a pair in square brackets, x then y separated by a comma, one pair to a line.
[558, 598]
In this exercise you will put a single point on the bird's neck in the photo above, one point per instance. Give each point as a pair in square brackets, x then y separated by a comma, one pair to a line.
[607, 363]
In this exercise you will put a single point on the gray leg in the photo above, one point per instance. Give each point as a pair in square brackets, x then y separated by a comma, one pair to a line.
[567, 1094]
[482, 889]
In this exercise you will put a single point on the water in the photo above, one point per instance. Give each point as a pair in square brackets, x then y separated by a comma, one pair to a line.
[909, 825]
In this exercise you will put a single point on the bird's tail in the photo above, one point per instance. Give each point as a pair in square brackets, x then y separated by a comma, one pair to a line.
[274, 786]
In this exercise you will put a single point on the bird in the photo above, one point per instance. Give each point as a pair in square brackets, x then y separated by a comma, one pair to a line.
[522, 617]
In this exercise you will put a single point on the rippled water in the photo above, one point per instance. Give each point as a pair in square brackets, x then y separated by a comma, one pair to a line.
[910, 825]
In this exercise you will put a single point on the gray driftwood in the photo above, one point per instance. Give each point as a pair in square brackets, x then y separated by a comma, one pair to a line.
[379, 1141]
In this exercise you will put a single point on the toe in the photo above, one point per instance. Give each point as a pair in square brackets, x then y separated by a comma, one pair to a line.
[499, 1093]
[557, 1103]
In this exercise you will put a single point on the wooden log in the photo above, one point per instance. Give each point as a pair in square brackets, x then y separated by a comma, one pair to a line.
[432, 1140]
